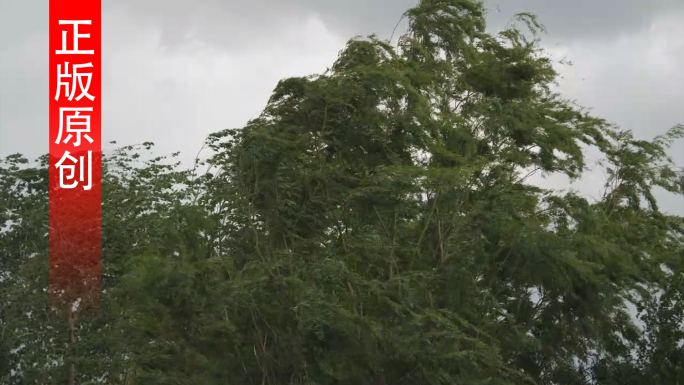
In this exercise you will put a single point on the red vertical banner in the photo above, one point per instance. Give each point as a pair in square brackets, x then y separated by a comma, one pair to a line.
[75, 153]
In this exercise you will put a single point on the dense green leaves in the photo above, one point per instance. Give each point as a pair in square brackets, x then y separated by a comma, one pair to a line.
[374, 225]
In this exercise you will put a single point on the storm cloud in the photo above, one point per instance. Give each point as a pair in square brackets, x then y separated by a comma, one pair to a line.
[175, 71]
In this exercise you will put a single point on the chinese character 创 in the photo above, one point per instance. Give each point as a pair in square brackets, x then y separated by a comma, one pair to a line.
[71, 168]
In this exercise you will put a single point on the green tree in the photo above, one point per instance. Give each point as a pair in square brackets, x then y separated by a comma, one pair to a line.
[142, 212]
[375, 225]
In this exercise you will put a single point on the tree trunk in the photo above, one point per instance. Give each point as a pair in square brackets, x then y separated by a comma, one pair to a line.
[72, 338]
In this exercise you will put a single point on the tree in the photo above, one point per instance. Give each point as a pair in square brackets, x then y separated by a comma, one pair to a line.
[375, 225]
[141, 213]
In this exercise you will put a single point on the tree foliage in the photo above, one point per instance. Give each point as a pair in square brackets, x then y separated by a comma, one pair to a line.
[374, 225]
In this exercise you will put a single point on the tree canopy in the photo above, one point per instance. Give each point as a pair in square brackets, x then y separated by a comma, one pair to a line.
[374, 225]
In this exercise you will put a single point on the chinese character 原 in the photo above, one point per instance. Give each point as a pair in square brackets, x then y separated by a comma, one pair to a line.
[70, 123]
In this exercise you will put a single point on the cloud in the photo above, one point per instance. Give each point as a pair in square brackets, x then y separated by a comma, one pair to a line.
[175, 98]
[24, 96]
[233, 23]
[633, 81]
[175, 71]
[586, 19]
[19, 19]
[238, 23]
[23, 77]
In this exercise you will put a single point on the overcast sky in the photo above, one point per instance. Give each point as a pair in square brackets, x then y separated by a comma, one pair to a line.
[176, 70]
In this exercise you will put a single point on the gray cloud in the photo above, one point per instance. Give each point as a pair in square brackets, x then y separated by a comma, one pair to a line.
[21, 18]
[175, 71]
[586, 19]
[236, 22]
[23, 77]
[172, 97]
